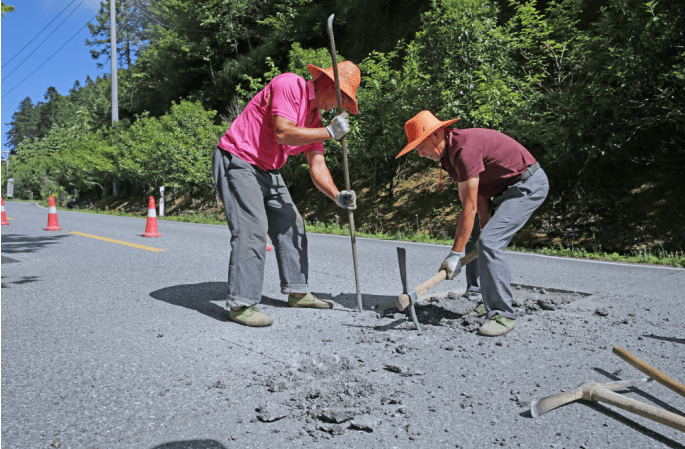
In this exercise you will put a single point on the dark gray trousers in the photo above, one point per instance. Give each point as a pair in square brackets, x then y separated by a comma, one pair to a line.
[513, 208]
[472, 276]
[257, 202]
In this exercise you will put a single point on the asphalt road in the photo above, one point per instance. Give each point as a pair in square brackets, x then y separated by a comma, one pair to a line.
[109, 345]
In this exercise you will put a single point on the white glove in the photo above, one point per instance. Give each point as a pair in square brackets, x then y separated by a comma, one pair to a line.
[452, 264]
[346, 199]
[340, 125]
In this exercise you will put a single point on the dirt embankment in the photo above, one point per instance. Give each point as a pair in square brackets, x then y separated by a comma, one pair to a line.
[620, 212]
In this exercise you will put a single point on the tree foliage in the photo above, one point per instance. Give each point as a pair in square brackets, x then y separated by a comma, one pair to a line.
[6, 8]
[132, 24]
[583, 84]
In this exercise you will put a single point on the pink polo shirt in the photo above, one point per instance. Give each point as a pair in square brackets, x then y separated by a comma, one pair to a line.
[251, 136]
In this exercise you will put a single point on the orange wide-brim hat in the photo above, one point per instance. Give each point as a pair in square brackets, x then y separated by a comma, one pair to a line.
[419, 127]
[350, 78]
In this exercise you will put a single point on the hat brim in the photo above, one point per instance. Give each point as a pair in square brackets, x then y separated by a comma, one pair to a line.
[413, 144]
[349, 103]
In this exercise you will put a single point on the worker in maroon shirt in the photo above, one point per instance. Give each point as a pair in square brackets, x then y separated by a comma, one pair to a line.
[493, 172]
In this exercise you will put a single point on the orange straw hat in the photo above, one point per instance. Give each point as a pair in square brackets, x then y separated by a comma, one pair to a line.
[350, 78]
[419, 127]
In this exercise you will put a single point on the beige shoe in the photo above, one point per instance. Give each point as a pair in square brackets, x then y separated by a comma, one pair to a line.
[497, 325]
[310, 301]
[479, 311]
[250, 316]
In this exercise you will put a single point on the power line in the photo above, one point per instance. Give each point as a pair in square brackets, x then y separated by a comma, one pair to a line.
[138, 7]
[36, 36]
[65, 19]
[84, 26]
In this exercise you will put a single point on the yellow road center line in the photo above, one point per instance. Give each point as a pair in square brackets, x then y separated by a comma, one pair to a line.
[135, 245]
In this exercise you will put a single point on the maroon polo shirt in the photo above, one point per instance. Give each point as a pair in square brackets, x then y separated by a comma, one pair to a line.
[498, 159]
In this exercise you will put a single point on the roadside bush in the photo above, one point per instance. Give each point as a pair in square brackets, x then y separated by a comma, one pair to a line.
[174, 149]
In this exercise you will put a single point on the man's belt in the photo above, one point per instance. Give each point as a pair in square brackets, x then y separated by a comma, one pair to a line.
[529, 172]
[526, 174]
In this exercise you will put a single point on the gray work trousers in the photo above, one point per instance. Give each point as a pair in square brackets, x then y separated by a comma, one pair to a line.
[513, 207]
[258, 202]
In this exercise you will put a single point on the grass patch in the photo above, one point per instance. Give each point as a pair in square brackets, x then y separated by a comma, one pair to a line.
[650, 257]
[211, 218]
[334, 228]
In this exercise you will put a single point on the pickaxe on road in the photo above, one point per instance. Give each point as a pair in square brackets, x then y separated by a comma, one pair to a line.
[591, 391]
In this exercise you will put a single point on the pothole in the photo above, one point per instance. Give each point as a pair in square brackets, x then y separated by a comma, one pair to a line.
[455, 309]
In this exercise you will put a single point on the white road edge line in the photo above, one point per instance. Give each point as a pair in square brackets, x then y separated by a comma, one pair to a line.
[634, 265]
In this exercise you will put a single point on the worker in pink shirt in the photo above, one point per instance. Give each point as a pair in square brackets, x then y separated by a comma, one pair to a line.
[283, 119]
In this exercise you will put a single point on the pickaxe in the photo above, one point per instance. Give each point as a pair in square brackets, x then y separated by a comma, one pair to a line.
[409, 298]
[591, 391]
[649, 370]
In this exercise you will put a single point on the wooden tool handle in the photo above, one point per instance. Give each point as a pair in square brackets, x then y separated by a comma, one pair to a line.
[403, 301]
[654, 413]
[650, 371]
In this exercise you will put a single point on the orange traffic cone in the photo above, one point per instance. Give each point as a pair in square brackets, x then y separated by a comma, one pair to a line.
[4, 217]
[268, 247]
[151, 228]
[53, 224]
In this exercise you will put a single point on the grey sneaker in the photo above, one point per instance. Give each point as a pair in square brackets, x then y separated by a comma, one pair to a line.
[309, 301]
[473, 295]
[497, 325]
[250, 316]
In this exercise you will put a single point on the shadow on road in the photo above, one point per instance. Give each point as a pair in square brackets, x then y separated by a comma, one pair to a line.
[638, 391]
[196, 297]
[192, 444]
[634, 425]
[349, 300]
[202, 297]
[22, 280]
[671, 339]
[16, 243]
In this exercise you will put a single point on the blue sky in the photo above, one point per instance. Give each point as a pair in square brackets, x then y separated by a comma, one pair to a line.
[73, 62]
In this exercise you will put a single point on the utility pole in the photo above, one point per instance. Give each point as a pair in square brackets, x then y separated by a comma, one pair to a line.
[113, 55]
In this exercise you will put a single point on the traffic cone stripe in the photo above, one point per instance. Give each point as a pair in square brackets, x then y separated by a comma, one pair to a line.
[2, 206]
[53, 224]
[151, 227]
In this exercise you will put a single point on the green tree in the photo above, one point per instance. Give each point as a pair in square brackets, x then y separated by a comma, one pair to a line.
[57, 110]
[613, 85]
[7, 8]
[132, 23]
[175, 149]
[24, 124]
